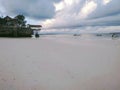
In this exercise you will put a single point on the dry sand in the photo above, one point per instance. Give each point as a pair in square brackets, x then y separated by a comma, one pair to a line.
[59, 63]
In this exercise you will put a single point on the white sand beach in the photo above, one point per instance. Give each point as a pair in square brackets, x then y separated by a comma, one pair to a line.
[59, 63]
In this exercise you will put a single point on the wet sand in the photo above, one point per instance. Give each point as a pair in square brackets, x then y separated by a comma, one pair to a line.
[54, 63]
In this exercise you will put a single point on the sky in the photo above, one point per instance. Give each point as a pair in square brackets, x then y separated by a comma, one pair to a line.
[66, 13]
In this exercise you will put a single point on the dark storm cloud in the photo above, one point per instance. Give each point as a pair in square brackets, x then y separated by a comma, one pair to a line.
[37, 9]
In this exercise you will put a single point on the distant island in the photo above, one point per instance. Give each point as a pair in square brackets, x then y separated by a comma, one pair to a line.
[16, 27]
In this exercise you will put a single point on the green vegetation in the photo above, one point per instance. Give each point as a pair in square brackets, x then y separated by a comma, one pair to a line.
[17, 21]
[20, 20]
[14, 27]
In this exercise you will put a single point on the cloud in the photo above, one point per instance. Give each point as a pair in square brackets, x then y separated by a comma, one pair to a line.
[106, 1]
[104, 9]
[84, 29]
[65, 13]
[87, 9]
[85, 13]
[37, 9]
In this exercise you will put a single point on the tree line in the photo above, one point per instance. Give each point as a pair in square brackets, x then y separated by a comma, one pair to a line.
[18, 21]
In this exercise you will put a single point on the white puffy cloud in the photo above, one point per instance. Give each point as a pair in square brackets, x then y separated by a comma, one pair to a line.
[106, 1]
[85, 13]
[65, 13]
[88, 8]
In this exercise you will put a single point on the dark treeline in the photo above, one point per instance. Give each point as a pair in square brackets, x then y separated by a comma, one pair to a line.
[17, 21]
[14, 27]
